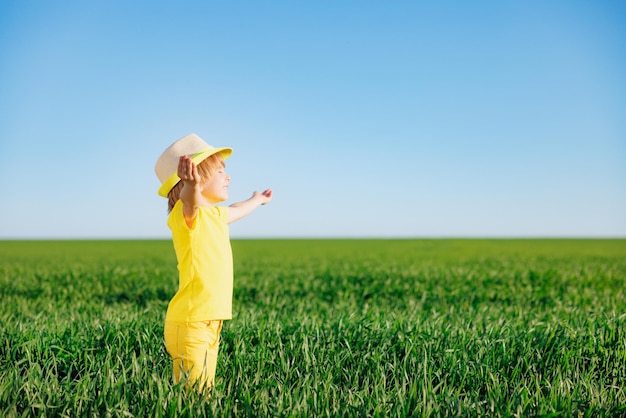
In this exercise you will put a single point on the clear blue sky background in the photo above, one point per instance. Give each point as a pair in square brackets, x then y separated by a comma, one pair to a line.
[367, 118]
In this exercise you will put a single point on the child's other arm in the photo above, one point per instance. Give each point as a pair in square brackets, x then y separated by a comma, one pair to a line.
[191, 193]
[238, 210]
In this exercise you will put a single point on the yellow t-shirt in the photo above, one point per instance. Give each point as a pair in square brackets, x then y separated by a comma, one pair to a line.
[205, 265]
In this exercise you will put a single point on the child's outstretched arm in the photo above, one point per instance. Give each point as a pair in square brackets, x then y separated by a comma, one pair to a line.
[190, 194]
[238, 210]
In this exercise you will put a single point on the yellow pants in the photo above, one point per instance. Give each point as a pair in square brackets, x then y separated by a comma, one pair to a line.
[193, 347]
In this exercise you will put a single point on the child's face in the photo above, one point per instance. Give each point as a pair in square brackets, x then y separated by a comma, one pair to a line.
[215, 188]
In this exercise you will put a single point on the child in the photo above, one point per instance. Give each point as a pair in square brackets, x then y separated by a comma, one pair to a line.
[193, 179]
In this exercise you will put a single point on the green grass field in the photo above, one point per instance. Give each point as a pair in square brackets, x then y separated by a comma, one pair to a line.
[323, 328]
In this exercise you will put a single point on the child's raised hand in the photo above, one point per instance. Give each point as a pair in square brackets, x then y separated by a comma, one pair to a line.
[187, 170]
[265, 196]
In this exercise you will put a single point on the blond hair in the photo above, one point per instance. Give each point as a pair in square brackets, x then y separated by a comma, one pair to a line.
[205, 169]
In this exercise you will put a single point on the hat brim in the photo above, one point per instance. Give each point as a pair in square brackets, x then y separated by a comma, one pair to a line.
[196, 158]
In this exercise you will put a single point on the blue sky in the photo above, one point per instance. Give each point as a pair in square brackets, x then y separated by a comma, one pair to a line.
[367, 118]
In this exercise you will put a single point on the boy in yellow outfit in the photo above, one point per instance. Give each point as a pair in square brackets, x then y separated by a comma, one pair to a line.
[193, 178]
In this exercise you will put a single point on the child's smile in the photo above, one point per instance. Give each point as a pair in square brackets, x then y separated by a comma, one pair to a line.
[215, 188]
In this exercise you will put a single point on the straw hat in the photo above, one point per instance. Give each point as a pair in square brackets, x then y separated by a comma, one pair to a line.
[192, 145]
